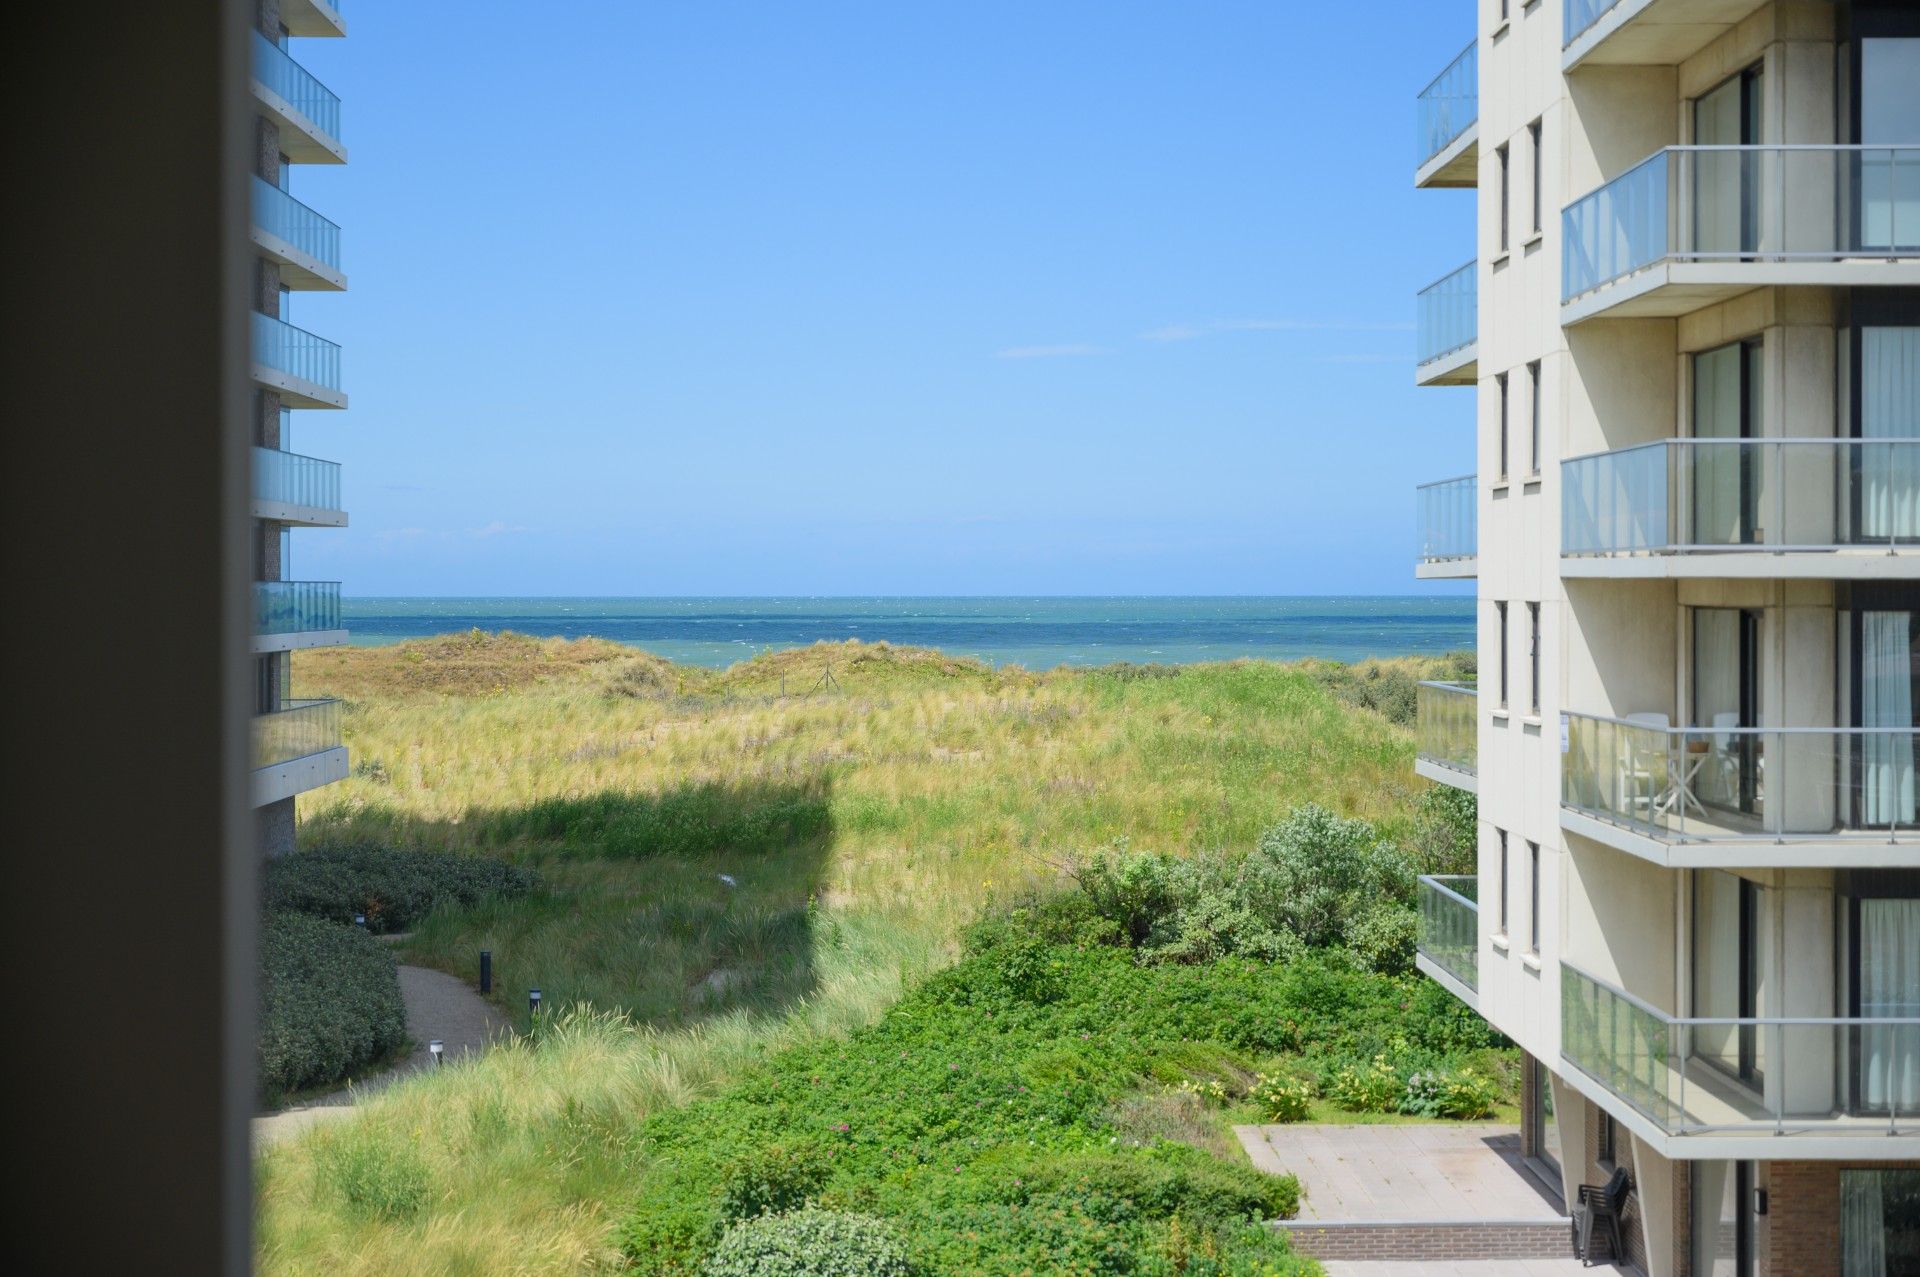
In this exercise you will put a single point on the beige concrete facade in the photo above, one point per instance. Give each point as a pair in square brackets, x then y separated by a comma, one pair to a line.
[1684, 834]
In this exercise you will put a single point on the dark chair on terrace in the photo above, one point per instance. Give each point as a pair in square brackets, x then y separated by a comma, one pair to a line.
[1601, 1206]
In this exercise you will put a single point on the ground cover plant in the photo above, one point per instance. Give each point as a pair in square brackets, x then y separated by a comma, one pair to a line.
[726, 871]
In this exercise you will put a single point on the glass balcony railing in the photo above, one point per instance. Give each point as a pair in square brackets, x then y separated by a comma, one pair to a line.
[300, 729]
[1742, 784]
[1450, 925]
[1702, 496]
[295, 86]
[1447, 729]
[287, 478]
[1745, 204]
[1579, 15]
[295, 351]
[280, 215]
[1449, 519]
[1449, 315]
[1450, 105]
[295, 607]
[1773, 1076]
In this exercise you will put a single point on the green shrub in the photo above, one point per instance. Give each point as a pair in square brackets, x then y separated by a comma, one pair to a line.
[1316, 874]
[1371, 1087]
[809, 1243]
[1163, 1182]
[330, 1002]
[772, 1179]
[1446, 834]
[1384, 939]
[393, 889]
[1460, 1094]
[1282, 1098]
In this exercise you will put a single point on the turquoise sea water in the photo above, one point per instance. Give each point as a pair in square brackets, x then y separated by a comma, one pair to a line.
[1035, 632]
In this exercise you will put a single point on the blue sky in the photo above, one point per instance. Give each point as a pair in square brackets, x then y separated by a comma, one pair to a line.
[882, 298]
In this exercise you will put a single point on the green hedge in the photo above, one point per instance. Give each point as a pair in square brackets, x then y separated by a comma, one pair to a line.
[394, 889]
[330, 1002]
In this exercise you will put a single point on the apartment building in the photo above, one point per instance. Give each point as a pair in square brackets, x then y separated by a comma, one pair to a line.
[296, 377]
[1692, 327]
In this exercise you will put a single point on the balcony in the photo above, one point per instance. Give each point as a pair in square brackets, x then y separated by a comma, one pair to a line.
[295, 749]
[1697, 1083]
[1754, 797]
[1447, 734]
[306, 111]
[1693, 225]
[1449, 132]
[1769, 508]
[305, 369]
[313, 17]
[1448, 330]
[1449, 944]
[1645, 32]
[305, 244]
[1449, 520]
[295, 614]
[300, 491]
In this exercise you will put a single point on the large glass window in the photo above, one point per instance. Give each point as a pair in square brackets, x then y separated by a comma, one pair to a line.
[1880, 1223]
[1723, 769]
[1545, 1121]
[1725, 214]
[1729, 942]
[1722, 1219]
[1884, 658]
[1889, 116]
[1887, 500]
[1886, 981]
[1726, 405]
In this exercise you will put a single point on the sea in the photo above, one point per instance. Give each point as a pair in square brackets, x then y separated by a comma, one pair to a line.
[1038, 633]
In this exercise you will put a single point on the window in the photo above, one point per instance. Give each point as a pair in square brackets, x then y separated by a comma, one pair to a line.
[1533, 898]
[1501, 834]
[1500, 153]
[1533, 653]
[1533, 139]
[1608, 1152]
[1500, 380]
[1723, 1220]
[1730, 950]
[1500, 611]
[1547, 1137]
[1879, 1221]
[1533, 408]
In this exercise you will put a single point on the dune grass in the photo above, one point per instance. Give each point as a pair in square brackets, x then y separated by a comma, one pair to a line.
[862, 823]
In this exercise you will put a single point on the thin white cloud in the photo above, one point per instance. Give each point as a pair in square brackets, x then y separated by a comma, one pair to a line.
[1192, 332]
[1362, 359]
[1048, 352]
[497, 528]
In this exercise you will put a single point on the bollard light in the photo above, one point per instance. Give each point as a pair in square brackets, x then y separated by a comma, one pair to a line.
[533, 1002]
[486, 971]
[360, 921]
[438, 1048]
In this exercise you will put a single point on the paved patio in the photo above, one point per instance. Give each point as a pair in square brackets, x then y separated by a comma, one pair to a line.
[1430, 1173]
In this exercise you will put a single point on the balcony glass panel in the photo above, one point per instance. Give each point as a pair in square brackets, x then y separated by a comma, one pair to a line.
[1450, 105]
[295, 351]
[300, 729]
[1579, 15]
[1448, 725]
[281, 215]
[1450, 925]
[1449, 314]
[287, 478]
[1731, 784]
[1745, 204]
[295, 85]
[1685, 496]
[1833, 1076]
[295, 607]
[1449, 519]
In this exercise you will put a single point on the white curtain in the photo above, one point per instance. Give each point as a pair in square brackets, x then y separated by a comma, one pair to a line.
[1889, 411]
[1890, 989]
[1863, 1226]
[1886, 700]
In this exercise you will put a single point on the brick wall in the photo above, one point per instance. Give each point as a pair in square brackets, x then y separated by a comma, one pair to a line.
[1430, 1242]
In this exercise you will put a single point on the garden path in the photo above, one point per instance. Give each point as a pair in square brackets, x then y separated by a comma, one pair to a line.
[438, 1006]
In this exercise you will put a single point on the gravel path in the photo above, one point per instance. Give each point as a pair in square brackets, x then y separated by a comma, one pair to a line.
[438, 1006]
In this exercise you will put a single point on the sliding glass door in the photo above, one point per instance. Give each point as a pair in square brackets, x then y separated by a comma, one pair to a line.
[1886, 986]
[1730, 943]
[1885, 645]
[1723, 768]
[1889, 117]
[1726, 405]
[1726, 219]
[1887, 487]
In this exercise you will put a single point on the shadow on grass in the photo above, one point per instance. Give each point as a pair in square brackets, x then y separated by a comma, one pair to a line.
[674, 907]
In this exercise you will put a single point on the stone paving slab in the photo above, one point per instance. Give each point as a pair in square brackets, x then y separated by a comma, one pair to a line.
[1431, 1173]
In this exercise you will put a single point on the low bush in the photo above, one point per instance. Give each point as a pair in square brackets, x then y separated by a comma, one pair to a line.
[1384, 939]
[772, 1179]
[393, 889]
[809, 1243]
[1372, 1086]
[1448, 1093]
[1282, 1098]
[375, 1177]
[330, 1002]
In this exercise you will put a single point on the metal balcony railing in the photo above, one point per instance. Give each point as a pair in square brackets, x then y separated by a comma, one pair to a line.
[295, 607]
[287, 478]
[1745, 204]
[295, 351]
[1449, 519]
[1450, 105]
[1448, 315]
[1578, 16]
[297, 730]
[296, 86]
[1765, 1075]
[1450, 925]
[1447, 731]
[286, 218]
